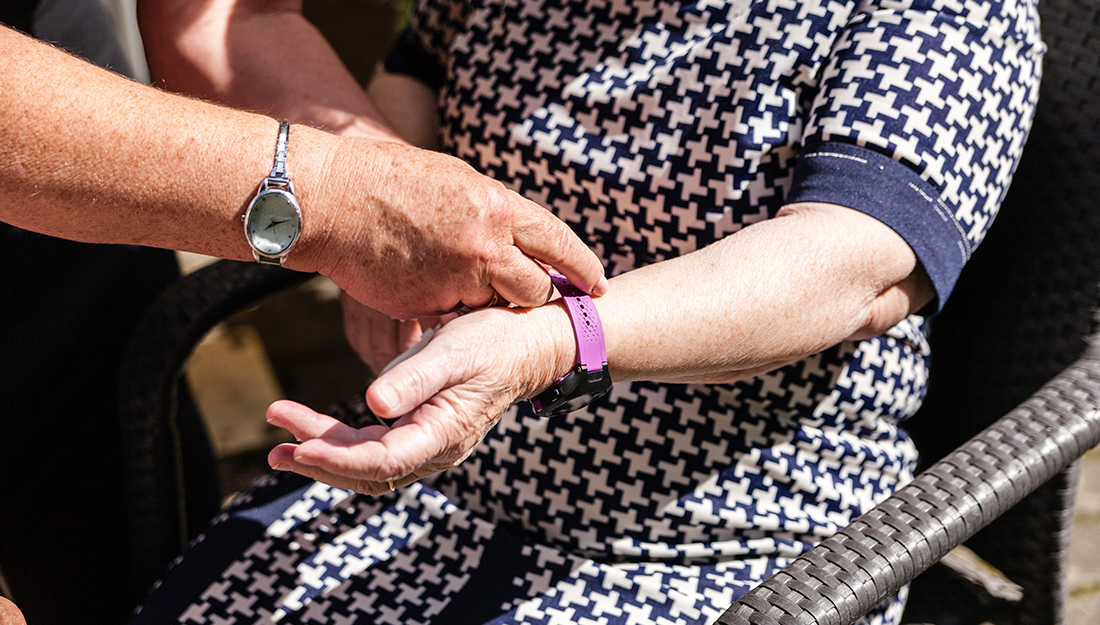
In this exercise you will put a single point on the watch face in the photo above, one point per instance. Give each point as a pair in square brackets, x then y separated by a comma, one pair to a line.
[274, 222]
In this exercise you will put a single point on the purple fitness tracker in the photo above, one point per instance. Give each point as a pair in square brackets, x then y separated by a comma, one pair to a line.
[590, 378]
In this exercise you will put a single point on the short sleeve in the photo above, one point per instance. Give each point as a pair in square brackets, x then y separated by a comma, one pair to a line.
[408, 57]
[423, 48]
[920, 120]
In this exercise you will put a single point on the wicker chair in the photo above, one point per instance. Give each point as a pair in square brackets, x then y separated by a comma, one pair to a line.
[169, 495]
[1016, 331]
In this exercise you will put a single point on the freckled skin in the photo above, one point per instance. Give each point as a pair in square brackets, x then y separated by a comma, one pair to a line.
[93, 157]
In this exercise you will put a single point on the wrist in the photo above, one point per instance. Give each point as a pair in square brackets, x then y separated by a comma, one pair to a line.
[586, 376]
[310, 159]
[552, 344]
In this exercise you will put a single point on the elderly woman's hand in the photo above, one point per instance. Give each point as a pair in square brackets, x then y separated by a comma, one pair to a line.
[448, 396]
[771, 294]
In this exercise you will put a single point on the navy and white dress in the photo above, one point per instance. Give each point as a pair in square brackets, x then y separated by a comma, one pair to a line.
[655, 128]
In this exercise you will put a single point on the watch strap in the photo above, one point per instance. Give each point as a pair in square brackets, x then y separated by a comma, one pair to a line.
[278, 170]
[587, 329]
[264, 259]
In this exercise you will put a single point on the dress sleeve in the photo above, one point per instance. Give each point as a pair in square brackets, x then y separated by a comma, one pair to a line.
[422, 49]
[922, 113]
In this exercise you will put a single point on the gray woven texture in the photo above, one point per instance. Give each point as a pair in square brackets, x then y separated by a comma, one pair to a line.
[853, 571]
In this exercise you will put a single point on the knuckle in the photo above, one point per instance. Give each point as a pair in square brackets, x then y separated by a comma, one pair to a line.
[420, 380]
[562, 239]
[486, 198]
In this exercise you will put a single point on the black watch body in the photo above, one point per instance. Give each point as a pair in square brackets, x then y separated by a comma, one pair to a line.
[574, 391]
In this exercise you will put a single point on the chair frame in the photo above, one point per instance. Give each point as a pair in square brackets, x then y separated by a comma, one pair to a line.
[869, 560]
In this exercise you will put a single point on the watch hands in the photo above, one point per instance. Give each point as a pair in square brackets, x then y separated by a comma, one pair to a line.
[275, 222]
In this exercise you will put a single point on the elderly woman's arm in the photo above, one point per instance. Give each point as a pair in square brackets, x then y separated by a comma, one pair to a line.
[774, 293]
[259, 55]
[918, 116]
[768, 295]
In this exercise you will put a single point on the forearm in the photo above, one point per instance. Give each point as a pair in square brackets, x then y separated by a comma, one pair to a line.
[91, 156]
[408, 105]
[259, 55]
[771, 294]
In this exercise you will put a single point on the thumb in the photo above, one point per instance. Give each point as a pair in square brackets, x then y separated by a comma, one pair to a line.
[407, 385]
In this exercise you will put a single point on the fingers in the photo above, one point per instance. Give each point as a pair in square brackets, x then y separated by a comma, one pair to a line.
[409, 384]
[395, 453]
[355, 328]
[374, 453]
[540, 235]
[282, 459]
[371, 454]
[305, 423]
[376, 337]
[520, 280]
[442, 403]
[495, 300]
[409, 333]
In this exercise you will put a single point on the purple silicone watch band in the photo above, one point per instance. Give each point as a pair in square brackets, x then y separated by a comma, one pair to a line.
[591, 351]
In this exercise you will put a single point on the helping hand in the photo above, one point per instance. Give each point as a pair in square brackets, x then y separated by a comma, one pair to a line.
[413, 233]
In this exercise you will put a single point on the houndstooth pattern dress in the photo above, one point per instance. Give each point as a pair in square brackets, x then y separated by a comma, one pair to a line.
[654, 129]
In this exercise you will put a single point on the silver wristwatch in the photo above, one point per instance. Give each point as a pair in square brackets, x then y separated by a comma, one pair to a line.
[273, 219]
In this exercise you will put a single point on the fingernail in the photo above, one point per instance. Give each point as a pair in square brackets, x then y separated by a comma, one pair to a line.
[601, 287]
[280, 466]
[387, 398]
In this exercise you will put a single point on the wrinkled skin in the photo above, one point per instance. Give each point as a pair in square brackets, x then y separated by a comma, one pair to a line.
[771, 294]
[412, 245]
[471, 371]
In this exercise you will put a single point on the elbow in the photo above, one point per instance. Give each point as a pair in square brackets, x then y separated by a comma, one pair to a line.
[895, 303]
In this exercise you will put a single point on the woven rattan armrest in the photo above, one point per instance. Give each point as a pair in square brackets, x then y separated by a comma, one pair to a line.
[853, 571]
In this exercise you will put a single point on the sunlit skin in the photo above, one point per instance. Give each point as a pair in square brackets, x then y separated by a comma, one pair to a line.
[90, 156]
[743, 312]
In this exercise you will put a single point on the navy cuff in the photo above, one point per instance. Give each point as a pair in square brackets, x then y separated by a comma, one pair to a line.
[875, 184]
[409, 57]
